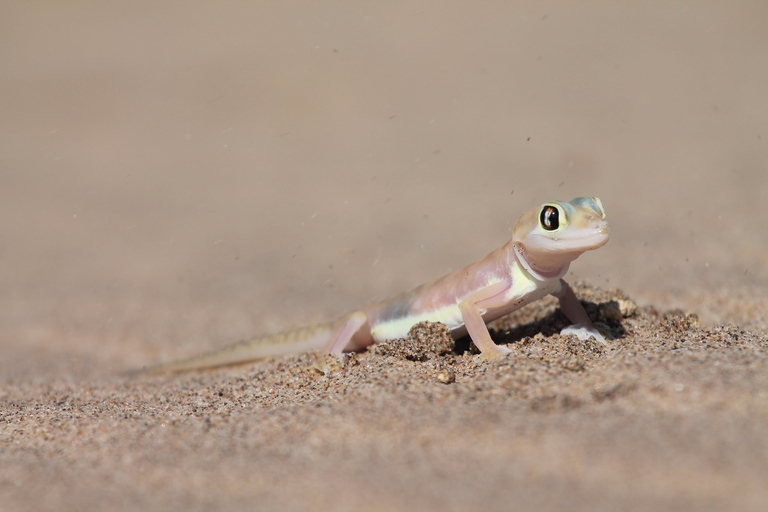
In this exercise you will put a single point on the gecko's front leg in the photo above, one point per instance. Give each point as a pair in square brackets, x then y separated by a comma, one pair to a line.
[483, 299]
[574, 311]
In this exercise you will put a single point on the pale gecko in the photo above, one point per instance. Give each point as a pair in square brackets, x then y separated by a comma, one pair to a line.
[545, 240]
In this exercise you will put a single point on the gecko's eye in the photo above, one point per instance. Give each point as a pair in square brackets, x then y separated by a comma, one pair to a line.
[549, 218]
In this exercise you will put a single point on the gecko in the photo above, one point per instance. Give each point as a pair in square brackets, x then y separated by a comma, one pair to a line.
[545, 240]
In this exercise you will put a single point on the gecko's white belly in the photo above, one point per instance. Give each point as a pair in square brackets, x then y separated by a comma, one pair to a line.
[399, 327]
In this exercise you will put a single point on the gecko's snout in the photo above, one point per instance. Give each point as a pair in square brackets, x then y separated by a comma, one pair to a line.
[592, 204]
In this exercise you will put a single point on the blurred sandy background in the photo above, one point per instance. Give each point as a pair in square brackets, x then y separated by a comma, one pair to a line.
[178, 175]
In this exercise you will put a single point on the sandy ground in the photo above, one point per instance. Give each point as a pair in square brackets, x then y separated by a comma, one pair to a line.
[178, 176]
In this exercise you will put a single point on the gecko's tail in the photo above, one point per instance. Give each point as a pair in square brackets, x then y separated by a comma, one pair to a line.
[290, 342]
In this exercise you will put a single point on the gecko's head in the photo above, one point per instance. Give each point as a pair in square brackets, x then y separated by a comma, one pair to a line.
[556, 233]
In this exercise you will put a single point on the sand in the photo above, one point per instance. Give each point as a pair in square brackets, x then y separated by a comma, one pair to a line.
[179, 176]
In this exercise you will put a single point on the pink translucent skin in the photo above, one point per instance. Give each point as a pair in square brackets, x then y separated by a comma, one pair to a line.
[479, 286]
[485, 290]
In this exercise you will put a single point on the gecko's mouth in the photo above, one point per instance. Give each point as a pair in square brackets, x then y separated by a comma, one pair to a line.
[574, 240]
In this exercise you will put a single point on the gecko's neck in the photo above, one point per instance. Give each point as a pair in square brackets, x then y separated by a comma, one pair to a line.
[538, 272]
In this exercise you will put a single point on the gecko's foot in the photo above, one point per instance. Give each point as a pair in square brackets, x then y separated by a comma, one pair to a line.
[496, 352]
[584, 332]
[329, 363]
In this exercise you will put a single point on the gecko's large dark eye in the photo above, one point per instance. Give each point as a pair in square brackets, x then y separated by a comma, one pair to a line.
[549, 218]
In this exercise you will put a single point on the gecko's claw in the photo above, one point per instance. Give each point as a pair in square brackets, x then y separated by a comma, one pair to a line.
[584, 332]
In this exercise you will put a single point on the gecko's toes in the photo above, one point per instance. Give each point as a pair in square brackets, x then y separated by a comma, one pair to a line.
[328, 364]
[498, 351]
[583, 332]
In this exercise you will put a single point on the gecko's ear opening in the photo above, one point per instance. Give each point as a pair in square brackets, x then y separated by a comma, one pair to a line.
[525, 225]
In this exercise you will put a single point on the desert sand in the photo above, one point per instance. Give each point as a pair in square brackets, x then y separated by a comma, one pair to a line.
[177, 176]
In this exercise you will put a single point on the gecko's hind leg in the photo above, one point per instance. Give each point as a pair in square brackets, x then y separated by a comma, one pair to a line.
[345, 332]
